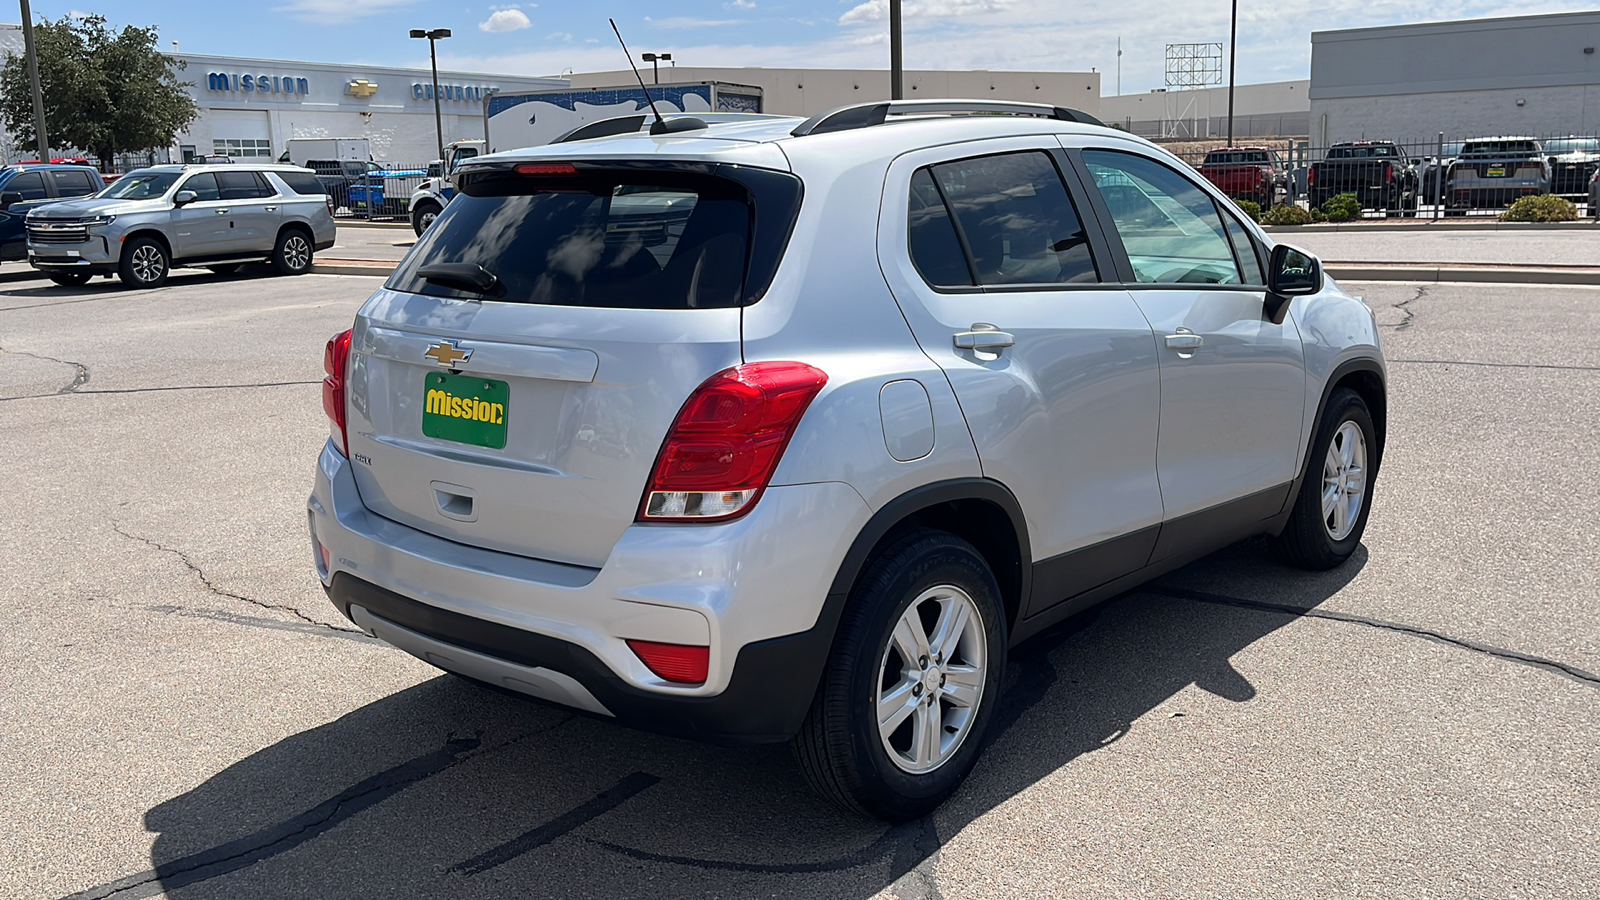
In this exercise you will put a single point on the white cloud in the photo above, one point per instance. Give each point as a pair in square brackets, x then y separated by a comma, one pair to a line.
[563, 36]
[337, 12]
[740, 4]
[505, 20]
[878, 10]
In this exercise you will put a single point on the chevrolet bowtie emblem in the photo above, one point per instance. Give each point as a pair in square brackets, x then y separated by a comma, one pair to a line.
[362, 88]
[447, 354]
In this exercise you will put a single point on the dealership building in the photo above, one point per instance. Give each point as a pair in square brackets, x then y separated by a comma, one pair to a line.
[1537, 76]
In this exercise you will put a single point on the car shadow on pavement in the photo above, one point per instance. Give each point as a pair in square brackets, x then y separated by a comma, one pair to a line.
[447, 789]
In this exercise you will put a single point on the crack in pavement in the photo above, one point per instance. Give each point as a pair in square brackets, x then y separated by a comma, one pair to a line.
[1405, 307]
[562, 825]
[154, 390]
[218, 615]
[277, 839]
[205, 580]
[78, 380]
[1463, 362]
[1537, 662]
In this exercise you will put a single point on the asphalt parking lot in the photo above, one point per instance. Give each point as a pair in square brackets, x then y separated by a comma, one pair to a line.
[184, 714]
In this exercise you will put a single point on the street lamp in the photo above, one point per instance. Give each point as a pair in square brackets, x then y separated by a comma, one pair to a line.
[1233, 59]
[437, 34]
[654, 59]
[897, 89]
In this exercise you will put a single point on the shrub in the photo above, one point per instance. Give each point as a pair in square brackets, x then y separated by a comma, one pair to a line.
[1318, 216]
[1249, 208]
[1286, 215]
[1342, 208]
[1542, 208]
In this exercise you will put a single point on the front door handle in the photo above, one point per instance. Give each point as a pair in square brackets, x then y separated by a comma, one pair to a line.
[222, 212]
[272, 209]
[984, 337]
[1185, 341]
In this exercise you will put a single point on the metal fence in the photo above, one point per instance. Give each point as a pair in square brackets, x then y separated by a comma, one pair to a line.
[1428, 178]
[377, 196]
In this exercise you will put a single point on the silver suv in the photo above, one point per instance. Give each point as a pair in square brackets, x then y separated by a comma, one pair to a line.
[776, 430]
[216, 216]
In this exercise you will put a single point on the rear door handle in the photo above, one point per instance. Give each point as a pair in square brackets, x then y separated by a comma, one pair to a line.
[1185, 341]
[222, 212]
[272, 209]
[984, 337]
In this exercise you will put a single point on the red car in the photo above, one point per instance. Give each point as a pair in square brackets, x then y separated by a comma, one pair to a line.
[1246, 173]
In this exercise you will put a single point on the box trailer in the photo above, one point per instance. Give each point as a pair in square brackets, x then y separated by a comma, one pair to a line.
[302, 149]
[533, 118]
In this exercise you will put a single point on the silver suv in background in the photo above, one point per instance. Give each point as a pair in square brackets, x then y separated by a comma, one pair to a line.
[773, 429]
[152, 220]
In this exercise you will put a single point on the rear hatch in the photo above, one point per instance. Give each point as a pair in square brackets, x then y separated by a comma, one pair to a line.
[512, 384]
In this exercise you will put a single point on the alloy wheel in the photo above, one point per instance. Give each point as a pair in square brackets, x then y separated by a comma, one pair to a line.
[148, 263]
[296, 252]
[931, 679]
[1344, 480]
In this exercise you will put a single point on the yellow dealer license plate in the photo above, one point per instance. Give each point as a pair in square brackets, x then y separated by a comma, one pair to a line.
[1497, 171]
[466, 409]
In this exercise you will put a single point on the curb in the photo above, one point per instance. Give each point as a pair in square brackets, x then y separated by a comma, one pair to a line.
[1431, 225]
[352, 267]
[363, 223]
[1469, 274]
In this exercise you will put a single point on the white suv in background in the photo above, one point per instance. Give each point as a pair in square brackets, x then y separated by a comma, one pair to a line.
[776, 430]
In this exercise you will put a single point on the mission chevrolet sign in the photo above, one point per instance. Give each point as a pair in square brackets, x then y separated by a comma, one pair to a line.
[256, 84]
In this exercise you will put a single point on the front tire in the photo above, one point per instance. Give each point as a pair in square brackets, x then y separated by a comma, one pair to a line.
[71, 279]
[912, 682]
[423, 214]
[293, 252]
[1330, 514]
[144, 263]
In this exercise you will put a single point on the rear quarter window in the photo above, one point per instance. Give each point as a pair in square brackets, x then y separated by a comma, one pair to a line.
[302, 182]
[620, 239]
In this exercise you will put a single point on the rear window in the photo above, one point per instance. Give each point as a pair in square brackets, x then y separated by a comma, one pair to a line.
[325, 166]
[621, 239]
[1370, 151]
[302, 182]
[1235, 157]
[1500, 148]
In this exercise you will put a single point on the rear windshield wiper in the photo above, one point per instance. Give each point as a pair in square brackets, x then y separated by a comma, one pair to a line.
[467, 276]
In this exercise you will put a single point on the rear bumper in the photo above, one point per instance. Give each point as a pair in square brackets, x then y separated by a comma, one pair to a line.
[753, 589]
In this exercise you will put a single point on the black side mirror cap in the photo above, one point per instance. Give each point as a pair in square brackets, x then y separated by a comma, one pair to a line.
[9, 197]
[1291, 273]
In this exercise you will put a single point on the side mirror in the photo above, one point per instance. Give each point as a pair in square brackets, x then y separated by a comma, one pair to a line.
[9, 197]
[1291, 273]
[184, 198]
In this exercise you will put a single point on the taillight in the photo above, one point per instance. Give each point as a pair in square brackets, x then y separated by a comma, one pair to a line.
[727, 440]
[1388, 171]
[329, 198]
[679, 663]
[336, 362]
[1311, 175]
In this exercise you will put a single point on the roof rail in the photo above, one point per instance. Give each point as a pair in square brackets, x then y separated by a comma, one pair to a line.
[865, 115]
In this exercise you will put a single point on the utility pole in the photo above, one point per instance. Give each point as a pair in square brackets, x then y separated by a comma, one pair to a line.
[33, 81]
[1119, 65]
[1233, 59]
[897, 89]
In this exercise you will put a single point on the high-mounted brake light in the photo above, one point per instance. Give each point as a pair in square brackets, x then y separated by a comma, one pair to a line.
[678, 663]
[336, 362]
[727, 440]
[545, 169]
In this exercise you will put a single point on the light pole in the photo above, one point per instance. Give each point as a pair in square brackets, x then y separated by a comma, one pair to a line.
[897, 90]
[33, 81]
[437, 34]
[1233, 59]
[655, 60]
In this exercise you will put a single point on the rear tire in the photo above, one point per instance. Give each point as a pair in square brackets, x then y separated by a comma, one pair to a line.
[71, 279]
[423, 214]
[144, 263]
[1330, 514]
[292, 255]
[933, 594]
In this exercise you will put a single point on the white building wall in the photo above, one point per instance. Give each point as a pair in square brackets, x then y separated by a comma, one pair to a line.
[806, 92]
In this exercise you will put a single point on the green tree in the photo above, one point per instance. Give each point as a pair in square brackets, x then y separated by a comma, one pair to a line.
[104, 91]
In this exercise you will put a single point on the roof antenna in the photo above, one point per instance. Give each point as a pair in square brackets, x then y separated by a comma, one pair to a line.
[660, 125]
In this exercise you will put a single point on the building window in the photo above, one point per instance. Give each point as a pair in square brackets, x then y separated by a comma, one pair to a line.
[237, 148]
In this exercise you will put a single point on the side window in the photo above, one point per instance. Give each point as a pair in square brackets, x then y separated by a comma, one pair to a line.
[935, 249]
[302, 182]
[204, 186]
[264, 187]
[238, 185]
[73, 184]
[29, 184]
[1019, 225]
[1168, 225]
[1245, 249]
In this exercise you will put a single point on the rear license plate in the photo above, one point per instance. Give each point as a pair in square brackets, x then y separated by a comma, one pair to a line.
[1497, 171]
[466, 409]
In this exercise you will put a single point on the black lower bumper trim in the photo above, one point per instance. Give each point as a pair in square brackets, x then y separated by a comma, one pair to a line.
[771, 689]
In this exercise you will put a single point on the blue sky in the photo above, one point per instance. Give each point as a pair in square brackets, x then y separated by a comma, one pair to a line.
[547, 37]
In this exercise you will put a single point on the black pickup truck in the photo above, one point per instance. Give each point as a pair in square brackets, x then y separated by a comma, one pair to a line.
[1377, 172]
